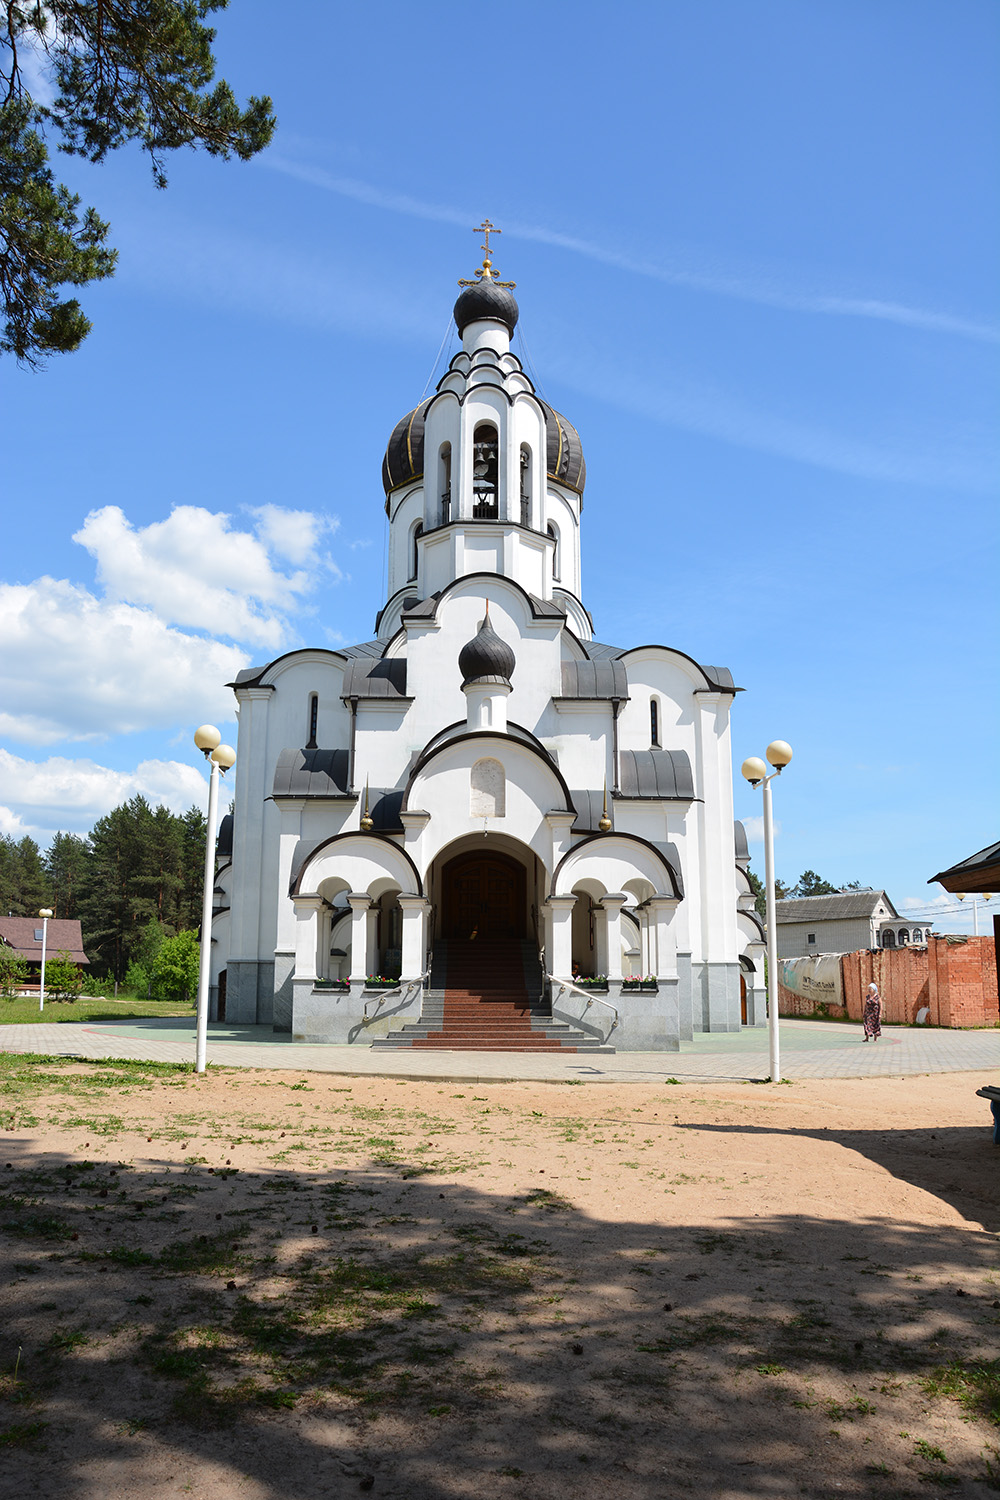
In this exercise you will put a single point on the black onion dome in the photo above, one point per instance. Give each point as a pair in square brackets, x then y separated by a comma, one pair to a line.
[486, 300]
[404, 455]
[486, 658]
[564, 459]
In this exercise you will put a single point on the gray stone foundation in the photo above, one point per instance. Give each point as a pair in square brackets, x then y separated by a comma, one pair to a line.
[250, 991]
[284, 971]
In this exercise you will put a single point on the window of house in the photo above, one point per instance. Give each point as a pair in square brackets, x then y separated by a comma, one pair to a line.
[810, 937]
[313, 720]
[418, 532]
[654, 722]
[485, 473]
[888, 940]
[904, 937]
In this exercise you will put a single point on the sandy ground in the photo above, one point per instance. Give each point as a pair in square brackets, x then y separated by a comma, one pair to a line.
[290, 1285]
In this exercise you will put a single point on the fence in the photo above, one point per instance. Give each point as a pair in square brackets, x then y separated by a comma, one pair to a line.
[953, 980]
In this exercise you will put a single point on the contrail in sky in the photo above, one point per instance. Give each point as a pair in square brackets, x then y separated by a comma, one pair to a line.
[745, 291]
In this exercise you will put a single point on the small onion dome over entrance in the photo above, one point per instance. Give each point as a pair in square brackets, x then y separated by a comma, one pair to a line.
[404, 455]
[486, 300]
[486, 658]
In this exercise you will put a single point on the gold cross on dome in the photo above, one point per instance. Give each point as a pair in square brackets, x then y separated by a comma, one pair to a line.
[486, 272]
[486, 228]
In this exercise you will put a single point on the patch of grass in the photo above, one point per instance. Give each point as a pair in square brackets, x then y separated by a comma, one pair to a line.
[204, 1254]
[975, 1386]
[26, 1219]
[22, 1434]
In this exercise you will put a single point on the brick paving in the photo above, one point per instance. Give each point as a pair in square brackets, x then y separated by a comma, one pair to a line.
[809, 1049]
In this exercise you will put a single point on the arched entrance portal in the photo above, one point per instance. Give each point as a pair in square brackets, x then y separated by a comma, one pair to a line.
[483, 895]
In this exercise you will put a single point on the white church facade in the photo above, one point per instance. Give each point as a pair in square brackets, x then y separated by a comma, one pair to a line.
[528, 833]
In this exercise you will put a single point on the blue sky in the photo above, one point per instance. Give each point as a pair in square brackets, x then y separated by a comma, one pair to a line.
[755, 249]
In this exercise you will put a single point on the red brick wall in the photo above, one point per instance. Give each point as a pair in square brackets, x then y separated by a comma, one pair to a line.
[963, 982]
[956, 980]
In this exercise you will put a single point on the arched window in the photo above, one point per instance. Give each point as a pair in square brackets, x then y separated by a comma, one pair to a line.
[418, 531]
[917, 935]
[485, 473]
[313, 720]
[445, 482]
[654, 723]
[888, 939]
[525, 485]
[553, 533]
[488, 784]
[904, 937]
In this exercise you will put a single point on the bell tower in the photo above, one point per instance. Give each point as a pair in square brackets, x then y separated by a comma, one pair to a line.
[484, 477]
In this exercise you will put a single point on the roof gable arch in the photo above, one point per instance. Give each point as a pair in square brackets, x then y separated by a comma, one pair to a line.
[524, 741]
[266, 675]
[705, 679]
[357, 858]
[535, 609]
[620, 856]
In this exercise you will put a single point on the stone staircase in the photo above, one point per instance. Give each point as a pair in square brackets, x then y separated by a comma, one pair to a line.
[485, 995]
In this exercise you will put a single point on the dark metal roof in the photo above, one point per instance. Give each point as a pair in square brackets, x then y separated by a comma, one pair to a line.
[426, 609]
[844, 906]
[598, 652]
[311, 773]
[589, 811]
[224, 843]
[404, 454]
[721, 676]
[486, 658]
[979, 873]
[384, 678]
[383, 809]
[564, 459]
[594, 679]
[63, 936]
[486, 300]
[656, 774]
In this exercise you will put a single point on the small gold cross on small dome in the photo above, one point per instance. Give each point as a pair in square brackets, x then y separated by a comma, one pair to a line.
[486, 272]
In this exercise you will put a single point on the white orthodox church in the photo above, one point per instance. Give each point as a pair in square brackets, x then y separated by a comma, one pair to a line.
[529, 833]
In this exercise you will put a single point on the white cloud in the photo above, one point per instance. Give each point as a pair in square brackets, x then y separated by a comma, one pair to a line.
[76, 667]
[293, 534]
[755, 829]
[67, 794]
[195, 569]
[11, 824]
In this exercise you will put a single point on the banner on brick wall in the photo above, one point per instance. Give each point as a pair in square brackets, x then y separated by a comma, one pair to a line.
[815, 978]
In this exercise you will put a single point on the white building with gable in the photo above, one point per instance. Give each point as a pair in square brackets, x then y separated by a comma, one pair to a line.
[483, 803]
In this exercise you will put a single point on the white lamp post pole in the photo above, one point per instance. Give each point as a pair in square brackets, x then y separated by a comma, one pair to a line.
[755, 771]
[45, 914]
[221, 757]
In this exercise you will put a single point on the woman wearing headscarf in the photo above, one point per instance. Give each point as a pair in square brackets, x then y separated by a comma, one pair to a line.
[873, 1014]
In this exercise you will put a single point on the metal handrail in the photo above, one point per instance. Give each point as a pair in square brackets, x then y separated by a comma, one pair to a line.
[409, 986]
[565, 984]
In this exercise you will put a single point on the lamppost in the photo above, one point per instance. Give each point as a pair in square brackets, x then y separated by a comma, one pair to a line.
[45, 914]
[755, 771]
[221, 757]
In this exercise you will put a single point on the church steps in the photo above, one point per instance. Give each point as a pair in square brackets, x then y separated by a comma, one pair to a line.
[486, 996]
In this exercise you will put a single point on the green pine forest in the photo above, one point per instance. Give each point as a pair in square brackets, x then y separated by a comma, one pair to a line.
[133, 881]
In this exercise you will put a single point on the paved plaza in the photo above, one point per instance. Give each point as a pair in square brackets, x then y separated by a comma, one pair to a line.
[809, 1049]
